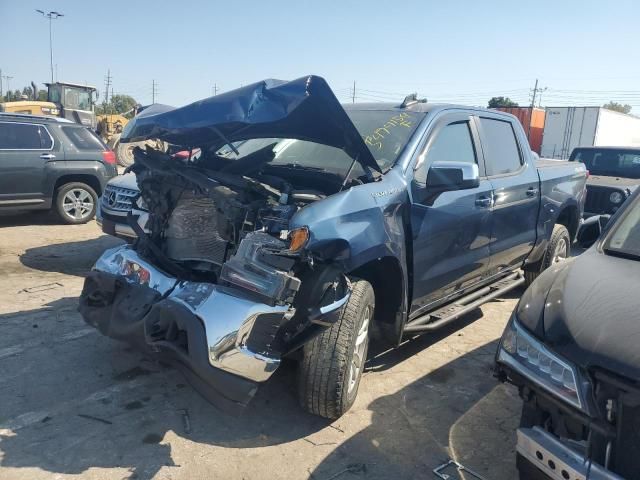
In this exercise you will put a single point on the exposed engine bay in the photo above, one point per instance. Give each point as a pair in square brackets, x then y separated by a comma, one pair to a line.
[210, 224]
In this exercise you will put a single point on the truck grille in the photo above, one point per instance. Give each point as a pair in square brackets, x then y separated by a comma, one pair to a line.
[598, 200]
[118, 198]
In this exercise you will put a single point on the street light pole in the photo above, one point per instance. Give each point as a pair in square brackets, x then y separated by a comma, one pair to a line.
[51, 16]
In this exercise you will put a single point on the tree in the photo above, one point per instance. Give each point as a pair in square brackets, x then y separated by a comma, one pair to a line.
[496, 102]
[617, 107]
[117, 104]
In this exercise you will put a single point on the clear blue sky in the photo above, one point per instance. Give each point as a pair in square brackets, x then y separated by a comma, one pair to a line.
[461, 51]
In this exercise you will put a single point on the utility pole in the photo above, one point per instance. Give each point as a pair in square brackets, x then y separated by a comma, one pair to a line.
[51, 16]
[0, 83]
[107, 84]
[8, 79]
[535, 91]
[154, 87]
[353, 97]
[214, 89]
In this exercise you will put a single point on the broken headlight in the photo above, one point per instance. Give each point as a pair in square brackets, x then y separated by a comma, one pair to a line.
[257, 267]
[526, 355]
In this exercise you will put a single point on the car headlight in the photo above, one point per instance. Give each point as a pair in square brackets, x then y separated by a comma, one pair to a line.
[616, 197]
[530, 358]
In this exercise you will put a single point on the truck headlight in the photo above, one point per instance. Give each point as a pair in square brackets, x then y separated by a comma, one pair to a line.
[616, 197]
[523, 353]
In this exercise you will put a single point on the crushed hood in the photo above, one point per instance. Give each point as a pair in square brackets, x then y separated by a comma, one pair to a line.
[303, 109]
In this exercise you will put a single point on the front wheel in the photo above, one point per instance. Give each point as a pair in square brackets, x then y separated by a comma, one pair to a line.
[76, 203]
[332, 364]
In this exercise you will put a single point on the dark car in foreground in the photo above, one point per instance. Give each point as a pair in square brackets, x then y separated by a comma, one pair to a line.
[326, 223]
[614, 174]
[572, 349]
[52, 163]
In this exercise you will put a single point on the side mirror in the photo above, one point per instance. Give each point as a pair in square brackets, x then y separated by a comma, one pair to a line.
[448, 176]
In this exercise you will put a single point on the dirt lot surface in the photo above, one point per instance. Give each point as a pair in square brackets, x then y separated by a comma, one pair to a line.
[74, 404]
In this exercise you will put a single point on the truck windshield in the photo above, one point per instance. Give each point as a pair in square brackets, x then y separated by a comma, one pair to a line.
[77, 99]
[609, 162]
[624, 240]
[385, 132]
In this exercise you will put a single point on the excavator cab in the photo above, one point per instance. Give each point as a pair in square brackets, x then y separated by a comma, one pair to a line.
[75, 102]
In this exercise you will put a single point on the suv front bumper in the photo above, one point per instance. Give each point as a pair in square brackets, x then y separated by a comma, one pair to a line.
[221, 340]
[555, 459]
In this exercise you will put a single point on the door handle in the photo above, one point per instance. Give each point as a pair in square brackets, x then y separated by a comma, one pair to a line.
[532, 192]
[47, 156]
[484, 202]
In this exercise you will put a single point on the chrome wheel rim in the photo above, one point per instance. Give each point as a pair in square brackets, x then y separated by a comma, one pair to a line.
[77, 204]
[561, 251]
[359, 352]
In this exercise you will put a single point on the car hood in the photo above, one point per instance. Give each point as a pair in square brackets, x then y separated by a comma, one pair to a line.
[303, 109]
[587, 311]
[620, 182]
[128, 180]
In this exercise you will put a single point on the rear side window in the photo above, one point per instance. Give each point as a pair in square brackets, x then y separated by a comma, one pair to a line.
[501, 151]
[452, 144]
[24, 136]
[83, 138]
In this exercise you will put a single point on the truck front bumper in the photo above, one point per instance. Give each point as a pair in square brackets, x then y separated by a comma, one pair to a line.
[556, 460]
[224, 343]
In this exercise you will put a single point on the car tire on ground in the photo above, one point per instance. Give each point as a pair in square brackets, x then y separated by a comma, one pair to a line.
[76, 203]
[332, 363]
[558, 250]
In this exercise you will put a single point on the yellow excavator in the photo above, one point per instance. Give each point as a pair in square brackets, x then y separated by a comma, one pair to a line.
[77, 103]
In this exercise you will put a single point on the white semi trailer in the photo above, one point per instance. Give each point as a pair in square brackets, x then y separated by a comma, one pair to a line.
[566, 128]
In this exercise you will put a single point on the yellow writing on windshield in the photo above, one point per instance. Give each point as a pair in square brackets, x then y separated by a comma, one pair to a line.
[379, 134]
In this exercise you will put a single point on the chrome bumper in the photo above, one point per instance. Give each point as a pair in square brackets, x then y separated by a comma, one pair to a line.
[557, 460]
[119, 229]
[228, 319]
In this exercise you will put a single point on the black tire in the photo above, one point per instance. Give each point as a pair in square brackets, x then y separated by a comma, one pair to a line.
[325, 384]
[80, 212]
[560, 240]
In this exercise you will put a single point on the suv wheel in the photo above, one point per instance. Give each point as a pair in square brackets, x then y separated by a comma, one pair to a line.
[332, 363]
[558, 250]
[76, 203]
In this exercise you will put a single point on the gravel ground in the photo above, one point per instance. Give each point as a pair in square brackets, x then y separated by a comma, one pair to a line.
[74, 404]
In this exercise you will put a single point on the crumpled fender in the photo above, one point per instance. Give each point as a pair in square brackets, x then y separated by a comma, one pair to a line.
[361, 225]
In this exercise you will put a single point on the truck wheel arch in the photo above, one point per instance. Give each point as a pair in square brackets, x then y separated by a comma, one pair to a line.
[570, 218]
[389, 285]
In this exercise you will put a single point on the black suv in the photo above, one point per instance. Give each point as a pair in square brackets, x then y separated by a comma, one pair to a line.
[52, 163]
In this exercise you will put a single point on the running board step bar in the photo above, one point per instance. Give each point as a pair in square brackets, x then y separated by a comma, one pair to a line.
[453, 311]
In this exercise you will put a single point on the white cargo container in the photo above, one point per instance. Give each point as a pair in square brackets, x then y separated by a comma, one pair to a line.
[566, 128]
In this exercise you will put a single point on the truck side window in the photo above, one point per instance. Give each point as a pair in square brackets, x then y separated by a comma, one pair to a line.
[501, 151]
[452, 143]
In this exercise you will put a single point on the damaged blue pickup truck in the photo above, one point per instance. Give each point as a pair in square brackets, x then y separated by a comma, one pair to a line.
[305, 227]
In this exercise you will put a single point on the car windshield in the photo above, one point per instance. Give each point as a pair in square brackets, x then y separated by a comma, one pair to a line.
[624, 239]
[385, 132]
[610, 162]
